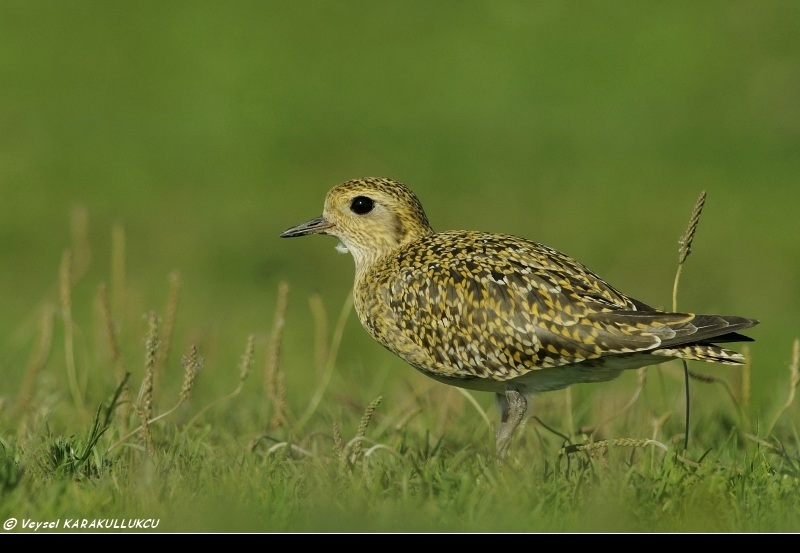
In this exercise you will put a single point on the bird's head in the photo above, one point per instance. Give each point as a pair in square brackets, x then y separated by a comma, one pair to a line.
[370, 216]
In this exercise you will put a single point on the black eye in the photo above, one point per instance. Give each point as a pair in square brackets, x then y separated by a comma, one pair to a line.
[361, 205]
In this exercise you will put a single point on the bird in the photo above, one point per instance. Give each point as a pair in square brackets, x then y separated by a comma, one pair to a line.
[495, 312]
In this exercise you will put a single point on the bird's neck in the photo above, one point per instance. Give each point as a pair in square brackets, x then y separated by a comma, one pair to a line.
[381, 248]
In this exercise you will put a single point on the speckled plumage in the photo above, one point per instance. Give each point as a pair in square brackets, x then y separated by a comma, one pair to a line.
[495, 312]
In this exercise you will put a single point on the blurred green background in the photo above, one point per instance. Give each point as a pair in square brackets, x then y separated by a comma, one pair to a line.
[207, 128]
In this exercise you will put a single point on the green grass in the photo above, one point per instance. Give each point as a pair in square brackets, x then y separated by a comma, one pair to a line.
[166, 145]
[155, 442]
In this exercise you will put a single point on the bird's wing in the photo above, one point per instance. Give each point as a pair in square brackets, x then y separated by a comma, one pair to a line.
[508, 306]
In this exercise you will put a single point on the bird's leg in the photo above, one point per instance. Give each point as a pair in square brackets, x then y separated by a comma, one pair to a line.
[512, 407]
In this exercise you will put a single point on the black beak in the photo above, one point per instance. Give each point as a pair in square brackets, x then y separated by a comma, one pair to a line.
[314, 226]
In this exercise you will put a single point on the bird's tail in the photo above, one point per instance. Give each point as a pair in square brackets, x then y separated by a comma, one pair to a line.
[703, 352]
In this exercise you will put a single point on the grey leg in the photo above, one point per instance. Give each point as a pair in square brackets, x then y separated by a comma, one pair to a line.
[512, 407]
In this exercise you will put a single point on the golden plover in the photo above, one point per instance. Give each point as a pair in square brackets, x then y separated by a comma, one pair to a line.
[495, 312]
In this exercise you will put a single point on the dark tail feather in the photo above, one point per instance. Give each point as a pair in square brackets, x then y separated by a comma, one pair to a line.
[713, 329]
[729, 337]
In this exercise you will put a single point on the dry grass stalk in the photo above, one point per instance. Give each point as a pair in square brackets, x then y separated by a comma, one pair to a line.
[116, 354]
[147, 436]
[707, 378]
[329, 365]
[570, 420]
[247, 361]
[685, 241]
[710, 379]
[111, 332]
[367, 416]
[145, 401]
[65, 295]
[641, 381]
[685, 244]
[746, 376]
[603, 445]
[192, 363]
[244, 371]
[684, 249]
[416, 410]
[775, 446]
[468, 396]
[274, 378]
[338, 443]
[290, 447]
[168, 326]
[320, 317]
[81, 246]
[362, 427]
[39, 357]
[118, 270]
[794, 381]
[659, 423]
